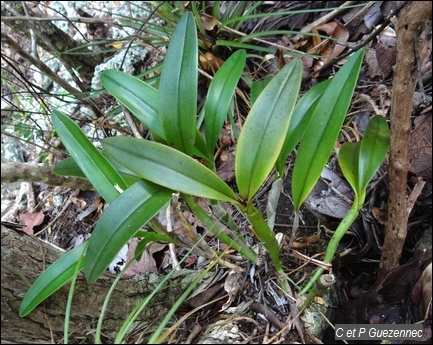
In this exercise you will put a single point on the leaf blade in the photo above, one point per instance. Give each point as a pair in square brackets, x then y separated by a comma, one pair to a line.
[92, 163]
[374, 147]
[324, 128]
[139, 97]
[178, 86]
[168, 167]
[300, 119]
[264, 130]
[53, 278]
[221, 90]
[122, 219]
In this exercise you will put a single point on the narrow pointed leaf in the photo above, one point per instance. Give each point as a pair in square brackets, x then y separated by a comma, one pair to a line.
[265, 128]
[92, 163]
[168, 167]
[140, 98]
[323, 129]
[178, 86]
[374, 146]
[221, 90]
[301, 117]
[53, 278]
[120, 221]
[348, 158]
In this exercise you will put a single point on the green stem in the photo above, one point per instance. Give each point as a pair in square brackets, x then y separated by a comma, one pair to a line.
[264, 234]
[218, 230]
[342, 228]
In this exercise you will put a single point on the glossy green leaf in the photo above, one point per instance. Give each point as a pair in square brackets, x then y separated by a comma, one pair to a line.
[168, 167]
[265, 128]
[120, 221]
[257, 87]
[323, 129]
[301, 117]
[53, 278]
[359, 161]
[178, 86]
[348, 158]
[98, 170]
[68, 167]
[374, 146]
[221, 90]
[140, 98]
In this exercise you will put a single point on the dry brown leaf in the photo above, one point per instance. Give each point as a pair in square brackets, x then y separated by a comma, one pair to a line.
[30, 220]
[210, 62]
[209, 23]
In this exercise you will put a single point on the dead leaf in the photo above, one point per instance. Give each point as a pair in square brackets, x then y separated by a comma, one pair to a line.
[209, 23]
[232, 286]
[210, 62]
[329, 196]
[30, 220]
[386, 51]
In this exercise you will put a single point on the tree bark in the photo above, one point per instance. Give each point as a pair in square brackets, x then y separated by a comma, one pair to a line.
[25, 257]
[34, 172]
[405, 77]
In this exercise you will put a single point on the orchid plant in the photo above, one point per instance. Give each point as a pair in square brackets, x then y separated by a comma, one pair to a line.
[138, 177]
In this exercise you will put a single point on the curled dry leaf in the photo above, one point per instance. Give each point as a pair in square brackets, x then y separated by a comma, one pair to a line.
[335, 46]
[210, 62]
[232, 286]
[30, 220]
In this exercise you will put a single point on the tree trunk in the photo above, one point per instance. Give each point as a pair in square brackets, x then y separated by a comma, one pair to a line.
[405, 76]
[25, 257]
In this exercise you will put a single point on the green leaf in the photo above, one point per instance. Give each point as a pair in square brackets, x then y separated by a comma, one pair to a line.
[120, 221]
[140, 98]
[53, 278]
[359, 161]
[348, 158]
[168, 167]
[301, 117]
[178, 86]
[257, 87]
[221, 90]
[323, 129]
[265, 128]
[92, 163]
[374, 147]
[68, 167]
